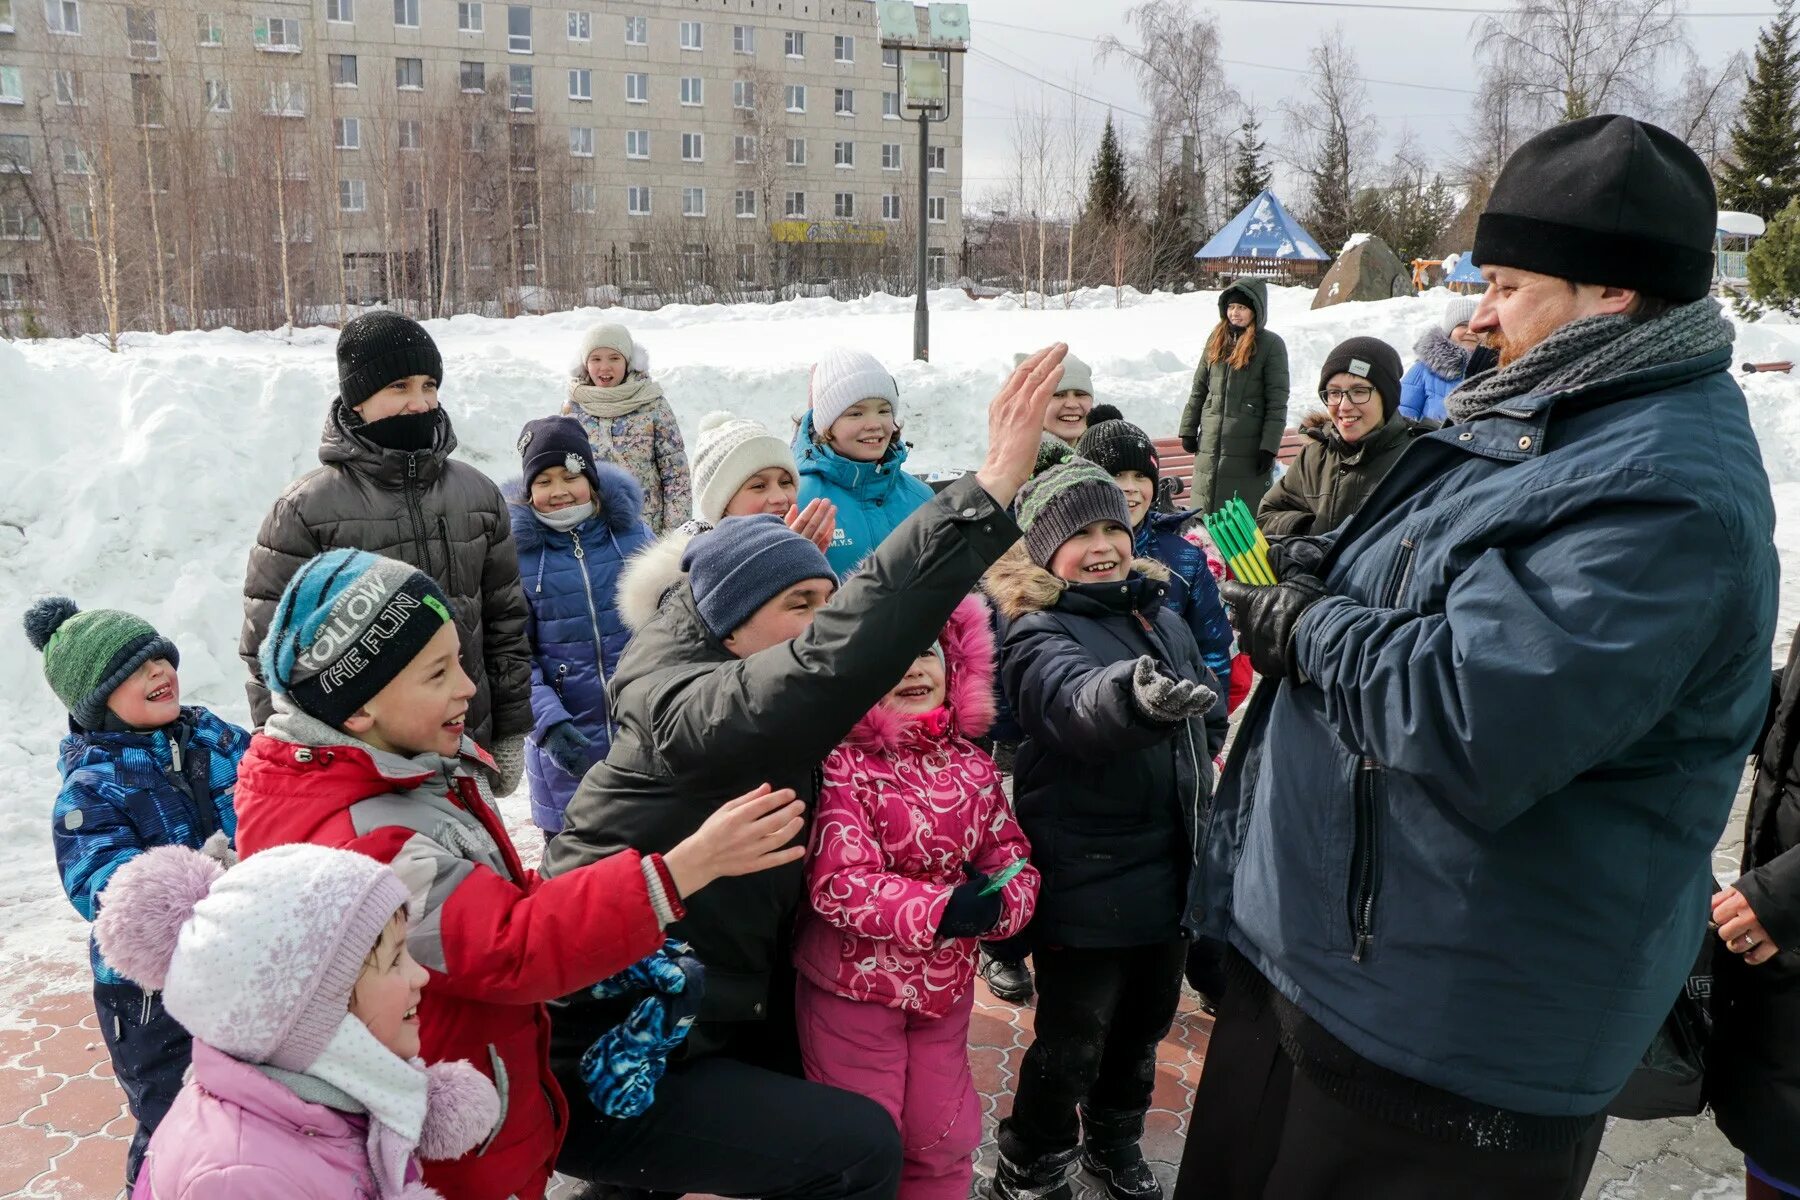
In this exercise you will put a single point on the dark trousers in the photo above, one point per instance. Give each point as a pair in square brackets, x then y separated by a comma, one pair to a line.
[1262, 1131]
[1100, 1016]
[149, 1051]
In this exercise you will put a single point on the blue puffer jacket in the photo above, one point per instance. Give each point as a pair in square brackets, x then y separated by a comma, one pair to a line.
[1476, 846]
[872, 498]
[1440, 369]
[575, 630]
[124, 793]
[1193, 592]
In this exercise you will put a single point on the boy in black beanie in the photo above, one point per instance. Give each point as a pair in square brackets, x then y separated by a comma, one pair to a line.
[388, 485]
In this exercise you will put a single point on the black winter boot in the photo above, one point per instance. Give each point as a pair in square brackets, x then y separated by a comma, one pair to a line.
[1043, 1178]
[1009, 981]
[1111, 1153]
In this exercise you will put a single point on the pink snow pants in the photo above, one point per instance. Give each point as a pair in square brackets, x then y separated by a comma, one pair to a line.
[916, 1067]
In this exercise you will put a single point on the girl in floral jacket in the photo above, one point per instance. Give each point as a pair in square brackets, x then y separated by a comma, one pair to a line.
[915, 855]
[630, 424]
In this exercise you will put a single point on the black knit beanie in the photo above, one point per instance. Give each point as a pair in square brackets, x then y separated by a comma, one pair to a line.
[379, 347]
[1366, 358]
[1118, 445]
[1606, 200]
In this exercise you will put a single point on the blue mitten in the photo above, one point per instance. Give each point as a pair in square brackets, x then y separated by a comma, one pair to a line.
[622, 1067]
[568, 748]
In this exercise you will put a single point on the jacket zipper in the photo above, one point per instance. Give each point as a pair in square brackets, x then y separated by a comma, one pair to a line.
[1194, 830]
[501, 1085]
[206, 820]
[1363, 861]
[556, 681]
[587, 588]
[1402, 574]
[444, 537]
[417, 512]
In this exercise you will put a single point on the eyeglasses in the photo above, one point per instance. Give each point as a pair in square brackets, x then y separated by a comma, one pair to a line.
[1359, 395]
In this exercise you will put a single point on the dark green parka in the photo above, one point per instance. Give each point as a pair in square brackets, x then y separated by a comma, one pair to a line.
[1236, 416]
[1325, 486]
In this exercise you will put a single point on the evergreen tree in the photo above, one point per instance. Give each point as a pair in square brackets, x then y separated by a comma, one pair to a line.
[1764, 175]
[1250, 175]
[1774, 265]
[1109, 194]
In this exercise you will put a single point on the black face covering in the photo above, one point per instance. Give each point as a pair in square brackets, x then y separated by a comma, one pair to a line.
[408, 433]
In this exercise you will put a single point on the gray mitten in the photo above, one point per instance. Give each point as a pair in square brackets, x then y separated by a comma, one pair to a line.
[509, 762]
[1164, 698]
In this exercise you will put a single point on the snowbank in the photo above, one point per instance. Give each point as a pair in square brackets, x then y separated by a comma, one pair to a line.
[138, 480]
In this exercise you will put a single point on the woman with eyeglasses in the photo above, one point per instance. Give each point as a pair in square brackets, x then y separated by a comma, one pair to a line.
[1354, 442]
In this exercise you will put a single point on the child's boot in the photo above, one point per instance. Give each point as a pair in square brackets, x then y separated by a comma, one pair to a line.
[1111, 1152]
[1045, 1177]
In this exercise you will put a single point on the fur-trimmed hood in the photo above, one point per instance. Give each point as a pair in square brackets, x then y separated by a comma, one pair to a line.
[968, 645]
[1019, 587]
[621, 500]
[649, 575]
[1441, 356]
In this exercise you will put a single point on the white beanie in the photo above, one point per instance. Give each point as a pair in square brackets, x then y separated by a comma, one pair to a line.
[611, 337]
[1458, 312]
[843, 377]
[1077, 376]
[730, 450]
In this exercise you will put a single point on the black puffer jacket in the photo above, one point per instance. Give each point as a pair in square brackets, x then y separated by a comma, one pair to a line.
[1753, 1077]
[444, 517]
[1111, 800]
[698, 726]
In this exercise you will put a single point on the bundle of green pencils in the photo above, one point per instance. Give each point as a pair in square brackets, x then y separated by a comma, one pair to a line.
[1233, 530]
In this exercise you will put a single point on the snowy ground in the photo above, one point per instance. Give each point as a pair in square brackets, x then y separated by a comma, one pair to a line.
[137, 480]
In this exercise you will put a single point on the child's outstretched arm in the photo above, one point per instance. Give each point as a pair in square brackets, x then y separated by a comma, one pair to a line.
[669, 456]
[848, 882]
[1070, 699]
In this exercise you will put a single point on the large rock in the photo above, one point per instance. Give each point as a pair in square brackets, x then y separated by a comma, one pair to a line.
[1366, 270]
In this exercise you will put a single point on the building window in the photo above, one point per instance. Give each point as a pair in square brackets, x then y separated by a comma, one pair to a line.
[890, 156]
[519, 94]
[637, 262]
[743, 94]
[406, 14]
[691, 36]
[843, 48]
[211, 28]
[637, 201]
[935, 158]
[796, 97]
[581, 83]
[693, 202]
[15, 154]
[581, 27]
[278, 35]
[794, 205]
[412, 195]
[342, 12]
[693, 90]
[843, 102]
[477, 138]
[81, 222]
[140, 34]
[346, 133]
[693, 147]
[637, 143]
[746, 262]
[147, 101]
[409, 135]
[352, 195]
[743, 39]
[890, 106]
[19, 223]
[409, 74]
[934, 209]
[63, 16]
[743, 148]
[518, 28]
[796, 152]
[218, 96]
[75, 159]
[943, 59]
[584, 197]
[581, 141]
[469, 17]
[343, 69]
[935, 263]
[843, 154]
[746, 202]
[637, 31]
[474, 77]
[12, 87]
[843, 205]
[67, 87]
[523, 143]
[890, 207]
[794, 42]
[890, 57]
[637, 88]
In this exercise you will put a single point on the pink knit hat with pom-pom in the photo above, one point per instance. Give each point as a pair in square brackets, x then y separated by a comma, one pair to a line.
[258, 961]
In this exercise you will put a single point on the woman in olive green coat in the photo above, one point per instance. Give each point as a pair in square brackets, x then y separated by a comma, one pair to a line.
[1353, 443]
[1234, 418]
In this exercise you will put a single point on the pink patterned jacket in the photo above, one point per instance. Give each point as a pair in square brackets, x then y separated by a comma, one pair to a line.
[906, 802]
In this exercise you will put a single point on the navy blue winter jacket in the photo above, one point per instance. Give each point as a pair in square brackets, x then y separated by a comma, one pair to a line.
[1476, 845]
[124, 793]
[575, 630]
[1193, 592]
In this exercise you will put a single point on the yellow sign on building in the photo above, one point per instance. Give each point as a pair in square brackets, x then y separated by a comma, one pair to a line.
[828, 232]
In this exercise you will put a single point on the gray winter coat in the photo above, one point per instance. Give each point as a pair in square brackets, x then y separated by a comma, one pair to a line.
[1236, 416]
[442, 516]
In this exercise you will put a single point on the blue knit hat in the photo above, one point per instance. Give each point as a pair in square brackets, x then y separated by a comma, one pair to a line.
[347, 625]
[556, 442]
[743, 563]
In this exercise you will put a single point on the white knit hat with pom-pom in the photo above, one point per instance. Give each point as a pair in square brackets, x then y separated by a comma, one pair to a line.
[843, 377]
[730, 450]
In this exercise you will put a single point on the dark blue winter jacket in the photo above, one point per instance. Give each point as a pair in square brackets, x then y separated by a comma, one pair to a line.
[1476, 845]
[872, 498]
[124, 793]
[575, 631]
[1193, 592]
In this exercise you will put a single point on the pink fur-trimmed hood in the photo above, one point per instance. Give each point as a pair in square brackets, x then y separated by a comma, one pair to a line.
[968, 644]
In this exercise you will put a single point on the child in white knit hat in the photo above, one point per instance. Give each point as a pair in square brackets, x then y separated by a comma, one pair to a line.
[741, 469]
[629, 423]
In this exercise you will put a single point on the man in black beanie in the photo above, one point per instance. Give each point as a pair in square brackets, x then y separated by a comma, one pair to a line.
[1506, 712]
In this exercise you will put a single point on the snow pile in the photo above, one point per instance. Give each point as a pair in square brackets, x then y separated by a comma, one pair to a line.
[138, 480]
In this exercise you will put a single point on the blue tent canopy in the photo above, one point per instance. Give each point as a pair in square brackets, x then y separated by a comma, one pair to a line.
[1465, 270]
[1263, 230]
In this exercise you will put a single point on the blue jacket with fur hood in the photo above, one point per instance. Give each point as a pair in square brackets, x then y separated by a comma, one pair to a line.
[571, 580]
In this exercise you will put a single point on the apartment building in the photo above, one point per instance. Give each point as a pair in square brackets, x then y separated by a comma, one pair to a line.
[303, 152]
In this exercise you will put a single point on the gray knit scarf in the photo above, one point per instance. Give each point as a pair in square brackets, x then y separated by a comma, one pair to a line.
[1594, 349]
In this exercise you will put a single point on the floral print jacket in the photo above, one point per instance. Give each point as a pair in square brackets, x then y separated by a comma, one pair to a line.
[648, 444]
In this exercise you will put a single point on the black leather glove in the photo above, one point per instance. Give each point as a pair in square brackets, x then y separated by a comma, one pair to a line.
[1265, 461]
[1190, 443]
[969, 913]
[1266, 617]
[1297, 555]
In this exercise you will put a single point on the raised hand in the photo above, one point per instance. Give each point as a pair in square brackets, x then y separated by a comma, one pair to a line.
[752, 833]
[1016, 422]
[816, 522]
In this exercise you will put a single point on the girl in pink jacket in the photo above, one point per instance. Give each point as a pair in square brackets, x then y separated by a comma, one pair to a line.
[291, 972]
[915, 855]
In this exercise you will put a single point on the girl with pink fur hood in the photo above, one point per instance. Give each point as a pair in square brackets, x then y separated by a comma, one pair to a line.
[291, 972]
[915, 855]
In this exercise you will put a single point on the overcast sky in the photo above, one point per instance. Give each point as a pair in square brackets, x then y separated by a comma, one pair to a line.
[1052, 40]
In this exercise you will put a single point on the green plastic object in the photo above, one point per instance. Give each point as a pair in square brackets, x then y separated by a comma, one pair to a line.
[1005, 876]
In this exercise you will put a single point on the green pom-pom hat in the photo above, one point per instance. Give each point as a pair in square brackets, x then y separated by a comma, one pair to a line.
[87, 655]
